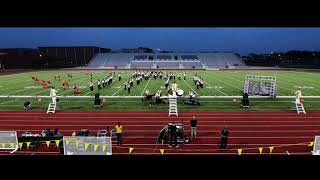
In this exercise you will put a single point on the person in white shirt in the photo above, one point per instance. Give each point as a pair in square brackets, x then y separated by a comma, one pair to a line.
[298, 94]
[53, 94]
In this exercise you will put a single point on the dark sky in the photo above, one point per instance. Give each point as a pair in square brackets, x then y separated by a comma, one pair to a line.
[242, 40]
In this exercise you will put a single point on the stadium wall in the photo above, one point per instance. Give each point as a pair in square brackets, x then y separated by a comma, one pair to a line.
[16, 58]
[73, 56]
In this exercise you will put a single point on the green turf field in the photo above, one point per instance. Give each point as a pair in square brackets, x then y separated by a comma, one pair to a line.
[217, 83]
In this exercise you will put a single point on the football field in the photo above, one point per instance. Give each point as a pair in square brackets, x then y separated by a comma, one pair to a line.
[216, 83]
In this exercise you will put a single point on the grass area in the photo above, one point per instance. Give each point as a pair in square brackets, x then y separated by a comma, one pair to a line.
[217, 83]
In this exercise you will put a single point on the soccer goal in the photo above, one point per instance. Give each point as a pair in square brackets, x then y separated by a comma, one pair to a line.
[85, 145]
[260, 85]
[9, 141]
[316, 146]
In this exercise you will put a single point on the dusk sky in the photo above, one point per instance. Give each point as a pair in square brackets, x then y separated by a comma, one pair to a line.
[241, 40]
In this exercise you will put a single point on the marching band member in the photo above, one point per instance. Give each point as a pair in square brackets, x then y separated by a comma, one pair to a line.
[99, 84]
[91, 86]
[119, 76]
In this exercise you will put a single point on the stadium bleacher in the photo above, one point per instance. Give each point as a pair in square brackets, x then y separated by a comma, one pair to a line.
[165, 60]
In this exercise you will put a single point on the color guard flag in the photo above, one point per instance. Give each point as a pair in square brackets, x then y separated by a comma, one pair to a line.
[73, 134]
[162, 151]
[57, 142]
[311, 143]
[86, 145]
[20, 145]
[28, 144]
[239, 151]
[48, 143]
[271, 149]
[95, 147]
[130, 150]
[260, 150]
[104, 147]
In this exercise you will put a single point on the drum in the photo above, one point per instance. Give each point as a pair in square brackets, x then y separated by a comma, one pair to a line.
[179, 92]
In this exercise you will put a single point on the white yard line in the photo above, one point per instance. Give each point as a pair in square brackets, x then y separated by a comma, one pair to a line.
[226, 83]
[16, 91]
[72, 130]
[190, 87]
[120, 85]
[216, 89]
[145, 86]
[90, 92]
[6, 102]
[39, 92]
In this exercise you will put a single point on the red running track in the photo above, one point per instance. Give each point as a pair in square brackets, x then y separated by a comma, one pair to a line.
[288, 132]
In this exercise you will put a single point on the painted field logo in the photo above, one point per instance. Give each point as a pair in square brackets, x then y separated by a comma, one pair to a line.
[214, 87]
[32, 87]
[305, 87]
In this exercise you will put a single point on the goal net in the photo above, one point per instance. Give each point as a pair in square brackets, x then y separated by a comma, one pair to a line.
[260, 85]
[84, 145]
[8, 141]
[316, 146]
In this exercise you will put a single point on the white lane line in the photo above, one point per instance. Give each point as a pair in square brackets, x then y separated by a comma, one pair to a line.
[206, 153]
[150, 131]
[166, 117]
[205, 131]
[140, 125]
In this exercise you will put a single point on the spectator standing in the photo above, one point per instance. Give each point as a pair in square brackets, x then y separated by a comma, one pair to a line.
[193, 125]
[119, 129]
[224, 138]
[173, 135]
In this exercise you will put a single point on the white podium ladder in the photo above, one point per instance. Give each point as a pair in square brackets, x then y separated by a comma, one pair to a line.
[299, 108]
[173, 108]
[52, 108]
